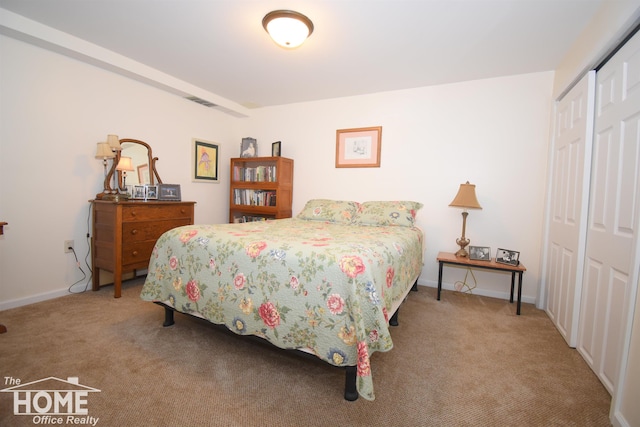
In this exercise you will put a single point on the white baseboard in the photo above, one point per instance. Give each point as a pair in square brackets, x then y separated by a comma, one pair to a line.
[483, 292]
[32, 299]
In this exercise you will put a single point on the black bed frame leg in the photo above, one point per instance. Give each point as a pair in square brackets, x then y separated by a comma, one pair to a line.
[414, 288]
[350, 392]
[394, 319]
[168, 317]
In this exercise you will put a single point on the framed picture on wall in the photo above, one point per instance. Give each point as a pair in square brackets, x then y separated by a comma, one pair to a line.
[143, 173]
[204, 161]
[358, 148]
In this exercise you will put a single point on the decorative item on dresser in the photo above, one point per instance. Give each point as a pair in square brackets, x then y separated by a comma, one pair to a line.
[142, 160]
[125, 231]
[261, 188]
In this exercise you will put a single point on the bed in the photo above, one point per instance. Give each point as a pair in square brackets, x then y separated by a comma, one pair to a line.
[326, 282]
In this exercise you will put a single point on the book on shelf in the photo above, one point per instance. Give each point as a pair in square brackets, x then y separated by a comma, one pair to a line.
[250, 197]
[262, 173]
[250, 218]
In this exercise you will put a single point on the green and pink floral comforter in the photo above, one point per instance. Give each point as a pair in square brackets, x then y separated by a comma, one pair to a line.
[326, 288]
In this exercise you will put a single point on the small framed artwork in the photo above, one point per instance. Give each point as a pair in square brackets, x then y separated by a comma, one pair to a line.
[139, 192]
[505, 256]
[152, 192]
[249, 147]
[358, 148]
[205, 161]
[481, 253]
[143, 174]
[169, 192]
[275, 149]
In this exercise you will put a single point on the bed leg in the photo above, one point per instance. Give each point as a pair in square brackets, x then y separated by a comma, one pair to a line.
[350, 391]
[168, 317]
[414, 288]
[394, 319]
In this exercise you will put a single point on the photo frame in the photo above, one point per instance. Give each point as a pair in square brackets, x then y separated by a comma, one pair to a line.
[169, 192]
[276, 149]
[249, 147]
[359, 147]
[139, 192]
[506, 256]
[204, 161]
[151, 192]
[480, 253]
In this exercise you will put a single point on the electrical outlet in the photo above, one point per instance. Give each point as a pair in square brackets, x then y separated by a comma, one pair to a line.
[68, 244]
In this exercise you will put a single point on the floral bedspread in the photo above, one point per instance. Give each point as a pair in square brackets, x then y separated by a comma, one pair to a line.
[323, 287]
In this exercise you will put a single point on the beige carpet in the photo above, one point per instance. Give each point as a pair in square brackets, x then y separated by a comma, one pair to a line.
[462, 361]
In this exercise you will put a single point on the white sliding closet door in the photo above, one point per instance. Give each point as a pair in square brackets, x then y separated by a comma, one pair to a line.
[568, 204]
[610, 274]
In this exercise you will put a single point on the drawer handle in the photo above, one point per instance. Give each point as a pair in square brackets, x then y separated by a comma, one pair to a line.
[182, 210]
[134, 231]
[133, 213]
[134, 253]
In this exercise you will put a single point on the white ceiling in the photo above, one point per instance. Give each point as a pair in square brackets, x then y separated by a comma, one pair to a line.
[357, 47]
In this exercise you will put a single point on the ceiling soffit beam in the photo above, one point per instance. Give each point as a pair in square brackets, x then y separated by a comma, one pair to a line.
[32, 32]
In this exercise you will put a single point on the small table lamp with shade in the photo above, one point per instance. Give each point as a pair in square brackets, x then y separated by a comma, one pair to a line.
[465, 199]
[124, 165]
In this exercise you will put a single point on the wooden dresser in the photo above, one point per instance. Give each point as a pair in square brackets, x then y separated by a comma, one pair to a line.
[125, 232]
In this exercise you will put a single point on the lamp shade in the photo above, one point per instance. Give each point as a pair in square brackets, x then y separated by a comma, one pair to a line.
[466, 197]
[287, 28]
[114, 142]
[104, 151]
[124, 164]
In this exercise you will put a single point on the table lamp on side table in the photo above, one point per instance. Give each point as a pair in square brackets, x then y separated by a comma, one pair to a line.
[465, 199]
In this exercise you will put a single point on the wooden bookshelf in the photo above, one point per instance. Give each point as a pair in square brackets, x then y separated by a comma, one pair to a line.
[261, 188]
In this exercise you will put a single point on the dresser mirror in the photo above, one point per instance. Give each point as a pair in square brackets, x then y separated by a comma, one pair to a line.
[143, 163]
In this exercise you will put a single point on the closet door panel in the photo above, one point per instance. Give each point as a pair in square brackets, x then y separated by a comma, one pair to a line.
[567, 211]
[612, 232]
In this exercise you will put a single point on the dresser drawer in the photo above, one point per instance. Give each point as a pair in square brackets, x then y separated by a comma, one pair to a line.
[139, 231]
[155, 211]
[134, 253]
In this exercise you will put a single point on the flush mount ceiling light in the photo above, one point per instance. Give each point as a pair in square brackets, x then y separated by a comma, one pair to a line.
[287, 28]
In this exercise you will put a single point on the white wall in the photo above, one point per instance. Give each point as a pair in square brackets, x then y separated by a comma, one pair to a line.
[53, 112]
[493, 133]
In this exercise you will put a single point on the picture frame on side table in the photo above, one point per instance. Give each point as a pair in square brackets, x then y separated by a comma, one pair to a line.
[204, 161]
[276, 149]
[249, 147]
[506, 256]
[359, 147]
[169, 192]
[480, 253]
